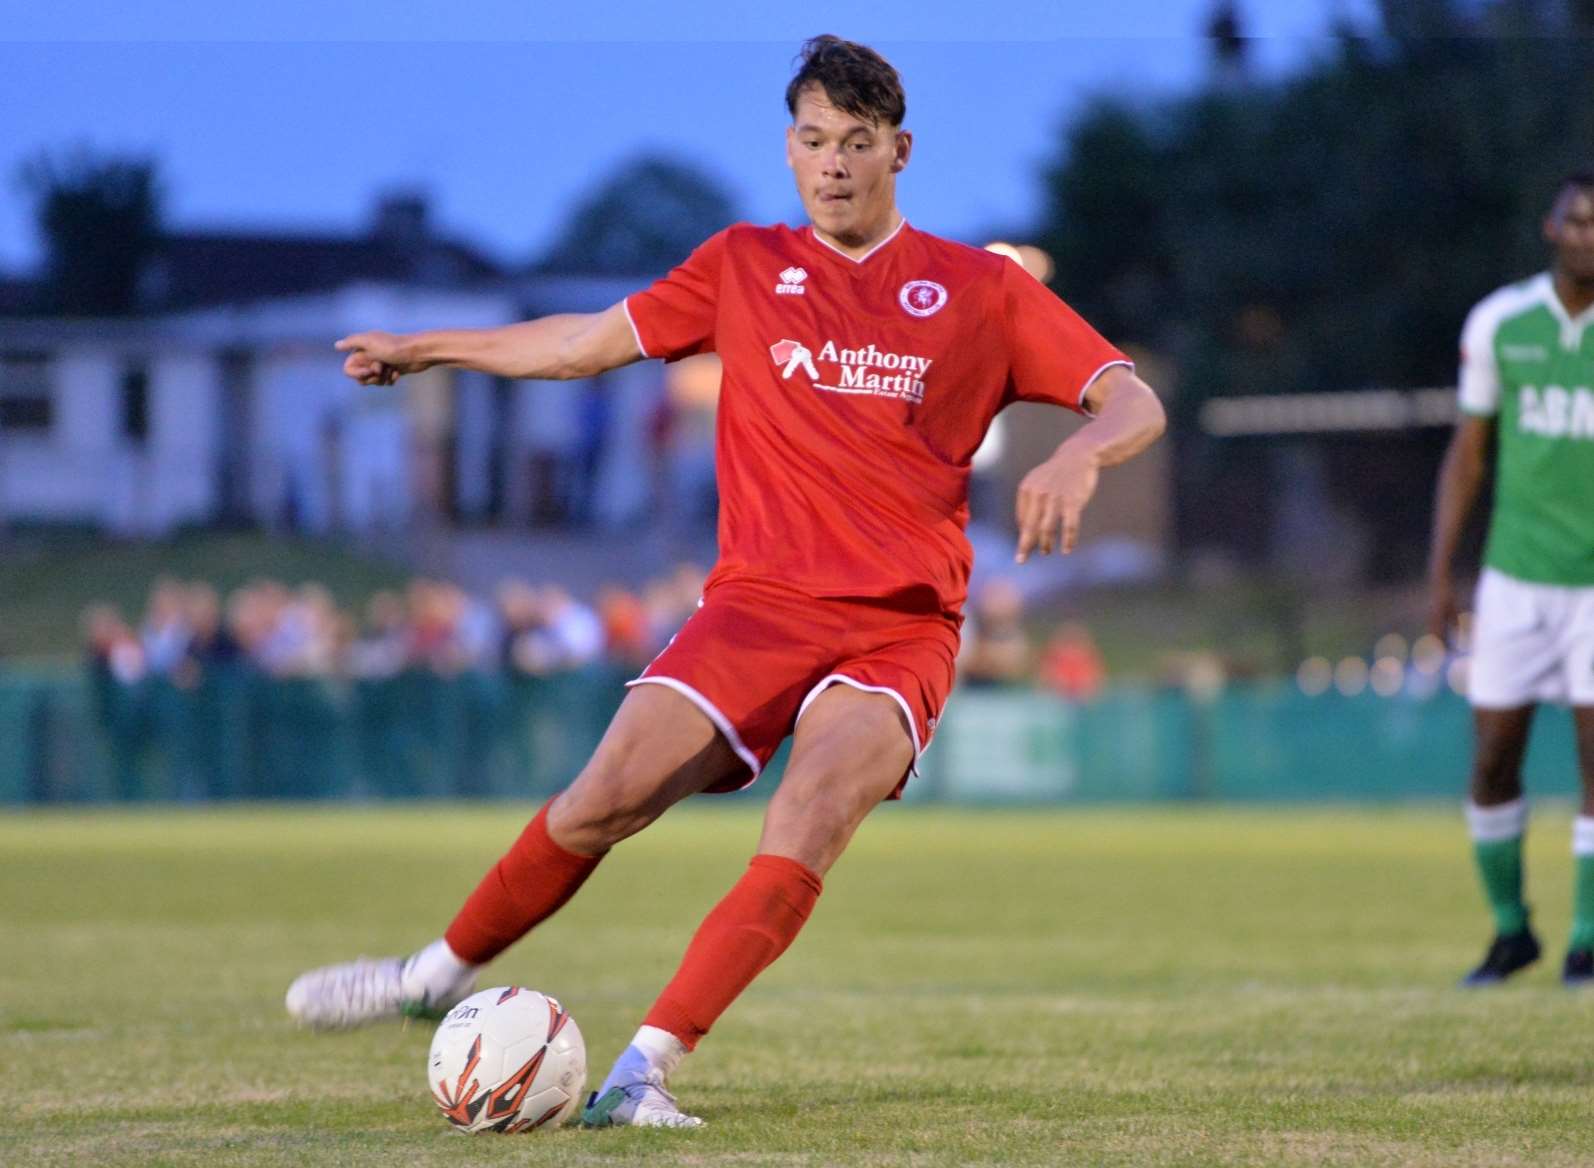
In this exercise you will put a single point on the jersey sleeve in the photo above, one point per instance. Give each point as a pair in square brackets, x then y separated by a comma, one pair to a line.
[676, 317]
[1479, 379]
[1053, 355]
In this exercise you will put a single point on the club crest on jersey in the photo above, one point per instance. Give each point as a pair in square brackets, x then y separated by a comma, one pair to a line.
[922, 297]
[791, 282]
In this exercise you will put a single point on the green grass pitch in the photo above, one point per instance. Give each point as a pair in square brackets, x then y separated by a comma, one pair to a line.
[1126, 987]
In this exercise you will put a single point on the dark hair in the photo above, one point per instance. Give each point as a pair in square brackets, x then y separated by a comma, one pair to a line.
[855, 78]
[1581, 179]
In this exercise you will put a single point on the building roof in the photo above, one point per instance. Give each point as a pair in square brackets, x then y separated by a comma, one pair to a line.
[192, 269]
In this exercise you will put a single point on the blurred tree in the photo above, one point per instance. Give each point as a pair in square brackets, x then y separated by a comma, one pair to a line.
[1228, 44]
[645, 218]
[99, 217]
[1327, 231]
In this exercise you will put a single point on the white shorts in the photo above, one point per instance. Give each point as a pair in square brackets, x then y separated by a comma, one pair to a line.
[1531, 643]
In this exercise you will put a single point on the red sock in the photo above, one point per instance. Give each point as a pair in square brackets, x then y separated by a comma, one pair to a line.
[736, 941]
[530, 884]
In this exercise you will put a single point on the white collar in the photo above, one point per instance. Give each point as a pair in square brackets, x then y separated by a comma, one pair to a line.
[813, 231]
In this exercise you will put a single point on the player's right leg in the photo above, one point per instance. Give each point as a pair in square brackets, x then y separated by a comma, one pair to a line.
[659, 749]
[1578, 969]
[1497, 820]
[850, 751]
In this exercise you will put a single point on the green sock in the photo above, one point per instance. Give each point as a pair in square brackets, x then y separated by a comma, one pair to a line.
[1583, 904]
[1583, 883]
[1500, 866]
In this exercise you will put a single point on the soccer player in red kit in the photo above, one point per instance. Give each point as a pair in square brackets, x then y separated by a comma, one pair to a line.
[863, 363]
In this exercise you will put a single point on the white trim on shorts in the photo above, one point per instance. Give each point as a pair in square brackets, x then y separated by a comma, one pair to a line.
[712, 712]
[834, 678]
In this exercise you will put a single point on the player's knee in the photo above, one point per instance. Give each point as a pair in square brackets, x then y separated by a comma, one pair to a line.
[602, 807]
[1496, 775]
[829, 794]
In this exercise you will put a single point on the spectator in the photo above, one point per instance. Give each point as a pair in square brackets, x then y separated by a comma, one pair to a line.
[626, 638]
[210, 644]
[383, 648]
[114, 652]
[1071, 666]
[165, 632]
[996, 649]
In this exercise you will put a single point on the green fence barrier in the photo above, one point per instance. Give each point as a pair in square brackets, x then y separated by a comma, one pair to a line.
[238, 735]
[1251, 742]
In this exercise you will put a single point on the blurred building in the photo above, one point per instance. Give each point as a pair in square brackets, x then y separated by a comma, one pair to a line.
[223, 400]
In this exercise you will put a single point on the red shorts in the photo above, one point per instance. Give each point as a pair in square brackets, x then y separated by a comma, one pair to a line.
[754, 656]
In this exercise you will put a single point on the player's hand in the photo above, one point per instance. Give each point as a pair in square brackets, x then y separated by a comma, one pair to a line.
[1444, 614]
[1051, 499]
[375, 358]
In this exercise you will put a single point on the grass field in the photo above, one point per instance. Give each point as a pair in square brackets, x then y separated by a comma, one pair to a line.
[1126, 987]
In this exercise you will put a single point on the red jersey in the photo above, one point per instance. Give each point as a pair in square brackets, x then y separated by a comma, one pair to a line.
[855, 392]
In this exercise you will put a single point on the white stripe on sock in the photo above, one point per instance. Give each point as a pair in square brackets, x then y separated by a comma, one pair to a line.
[1583, 835]
[1501, 822]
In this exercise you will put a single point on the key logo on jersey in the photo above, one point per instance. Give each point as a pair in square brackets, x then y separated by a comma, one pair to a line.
[922, 297]
[792, 356]
[870, 371]
[1556, 412]
[791, 282]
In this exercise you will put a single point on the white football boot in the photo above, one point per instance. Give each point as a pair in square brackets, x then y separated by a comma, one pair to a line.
[634, 1095]
[365, 990]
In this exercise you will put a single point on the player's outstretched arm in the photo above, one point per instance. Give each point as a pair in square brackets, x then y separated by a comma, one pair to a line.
[554, 348]
[1460, 476]
[1127, 419]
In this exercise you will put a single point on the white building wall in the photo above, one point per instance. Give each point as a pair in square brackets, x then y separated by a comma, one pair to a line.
[297, 392]
[377, 489]
[624, 476]
[181, 445]
[62, 476]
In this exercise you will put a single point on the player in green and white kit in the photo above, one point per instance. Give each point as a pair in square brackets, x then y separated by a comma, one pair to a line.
[1527, 379]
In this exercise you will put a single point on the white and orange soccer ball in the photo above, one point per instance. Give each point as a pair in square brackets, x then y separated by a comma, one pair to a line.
[507, 1060]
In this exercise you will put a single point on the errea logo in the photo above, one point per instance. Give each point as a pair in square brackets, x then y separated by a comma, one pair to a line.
[791, 282]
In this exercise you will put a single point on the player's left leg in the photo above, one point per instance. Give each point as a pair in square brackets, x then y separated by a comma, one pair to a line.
[1579, 967]
[850, 751]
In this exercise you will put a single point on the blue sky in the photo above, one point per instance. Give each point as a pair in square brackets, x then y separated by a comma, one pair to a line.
[293, 114]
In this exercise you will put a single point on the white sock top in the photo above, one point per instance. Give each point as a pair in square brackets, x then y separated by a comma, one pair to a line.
[664, 1051]
[1583, 835]
[1501, 822]
[436, 969]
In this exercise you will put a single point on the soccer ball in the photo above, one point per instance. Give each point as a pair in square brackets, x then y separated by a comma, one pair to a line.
[507, 1060]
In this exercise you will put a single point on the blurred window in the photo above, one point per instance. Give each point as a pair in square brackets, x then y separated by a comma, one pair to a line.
[26, 404]
[135, 404]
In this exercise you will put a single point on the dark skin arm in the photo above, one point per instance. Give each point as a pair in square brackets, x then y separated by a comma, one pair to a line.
[1460, 477]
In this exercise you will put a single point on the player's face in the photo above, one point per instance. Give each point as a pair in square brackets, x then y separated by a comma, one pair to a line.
[846, 169]
[1570, 230]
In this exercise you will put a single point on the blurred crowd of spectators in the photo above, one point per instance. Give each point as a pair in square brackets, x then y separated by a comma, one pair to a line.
[998, 649]
[433, 625]
[525, 629]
